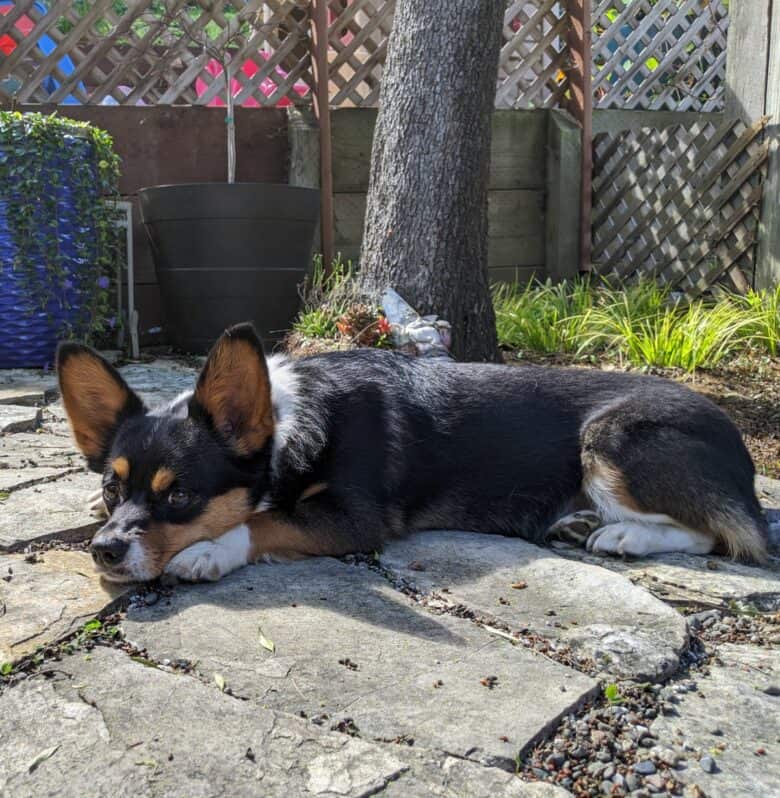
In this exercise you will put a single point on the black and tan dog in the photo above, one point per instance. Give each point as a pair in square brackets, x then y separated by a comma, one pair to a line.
[338, 453]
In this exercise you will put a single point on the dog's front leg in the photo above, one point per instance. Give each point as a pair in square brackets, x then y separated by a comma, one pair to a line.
[210, 560]
[267, 535]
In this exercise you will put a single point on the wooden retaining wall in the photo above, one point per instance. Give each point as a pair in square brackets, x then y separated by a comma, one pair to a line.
[527, 188]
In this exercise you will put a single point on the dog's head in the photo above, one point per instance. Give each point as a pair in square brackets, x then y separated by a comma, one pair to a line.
[173, 476]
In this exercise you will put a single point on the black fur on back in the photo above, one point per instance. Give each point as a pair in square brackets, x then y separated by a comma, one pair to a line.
[428, 443]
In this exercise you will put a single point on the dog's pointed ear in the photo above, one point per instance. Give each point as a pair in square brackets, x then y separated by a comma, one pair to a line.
[96, 399]
[234, 391]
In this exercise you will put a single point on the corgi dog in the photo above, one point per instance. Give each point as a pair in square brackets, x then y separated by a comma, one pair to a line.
[338, 453]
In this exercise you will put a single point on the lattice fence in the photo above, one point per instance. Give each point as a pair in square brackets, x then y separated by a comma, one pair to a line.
[680, 203]
[135, 52]
[154, 52]
[660, 54]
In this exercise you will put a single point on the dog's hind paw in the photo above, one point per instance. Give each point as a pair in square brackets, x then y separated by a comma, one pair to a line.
[574, 528]
[637, 539]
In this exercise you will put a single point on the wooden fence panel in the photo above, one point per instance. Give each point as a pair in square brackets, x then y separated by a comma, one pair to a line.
[679, 203]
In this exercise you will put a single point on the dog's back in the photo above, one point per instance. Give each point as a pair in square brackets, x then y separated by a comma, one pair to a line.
[416, 444]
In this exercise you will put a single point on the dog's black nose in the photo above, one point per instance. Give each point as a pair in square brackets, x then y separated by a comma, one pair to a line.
[109, 553]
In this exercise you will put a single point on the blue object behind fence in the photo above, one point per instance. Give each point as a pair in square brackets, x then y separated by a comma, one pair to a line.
[28, 333]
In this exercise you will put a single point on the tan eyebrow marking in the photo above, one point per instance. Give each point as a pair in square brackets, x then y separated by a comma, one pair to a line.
[121, 466]
[162, 480]
[313, 490]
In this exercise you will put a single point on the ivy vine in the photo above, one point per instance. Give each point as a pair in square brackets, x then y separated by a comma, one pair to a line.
[60, 262]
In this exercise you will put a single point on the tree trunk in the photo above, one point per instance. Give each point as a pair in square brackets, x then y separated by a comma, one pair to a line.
[426, 218]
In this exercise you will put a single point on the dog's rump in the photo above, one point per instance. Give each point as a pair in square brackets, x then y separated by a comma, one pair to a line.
[420, 444]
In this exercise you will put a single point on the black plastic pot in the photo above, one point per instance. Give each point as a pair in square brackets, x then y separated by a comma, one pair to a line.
[226, 253]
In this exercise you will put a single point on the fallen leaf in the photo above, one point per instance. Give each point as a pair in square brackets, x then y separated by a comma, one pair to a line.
[265, 642]
[42, 757]
[219, 680]
[519, 585]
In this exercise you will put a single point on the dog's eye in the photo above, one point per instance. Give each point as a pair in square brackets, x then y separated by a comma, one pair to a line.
[111, 493]
[179, 497]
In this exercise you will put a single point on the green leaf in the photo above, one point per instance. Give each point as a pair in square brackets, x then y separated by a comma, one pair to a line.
[42, 757]
[6, 668]
[219, 680]
[652, 63]
[612, 694]
[265, 642]
[93, 625]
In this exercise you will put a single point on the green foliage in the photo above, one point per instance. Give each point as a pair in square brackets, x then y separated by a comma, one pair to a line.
[325, 297]
[638, 323]
[763, 309]
[542, 318]
[30, 177]
[678, 336]
[317, 323]
[612, 694]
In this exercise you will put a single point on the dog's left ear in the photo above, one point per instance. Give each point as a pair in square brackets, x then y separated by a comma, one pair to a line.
[96, 399]
[234, 391]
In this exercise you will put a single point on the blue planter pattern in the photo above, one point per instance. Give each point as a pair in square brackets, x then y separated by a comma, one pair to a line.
[28, 332]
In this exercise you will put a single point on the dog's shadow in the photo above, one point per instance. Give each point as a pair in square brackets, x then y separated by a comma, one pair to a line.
[376, 596]
[365, 594]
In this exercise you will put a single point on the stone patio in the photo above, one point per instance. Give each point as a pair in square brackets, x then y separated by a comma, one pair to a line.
[454, 664]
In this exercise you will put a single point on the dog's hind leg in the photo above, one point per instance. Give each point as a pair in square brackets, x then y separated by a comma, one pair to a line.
[664, 481]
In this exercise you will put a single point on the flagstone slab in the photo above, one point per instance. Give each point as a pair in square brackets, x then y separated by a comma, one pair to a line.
[733, 717]
[17, 478]
[41, 448]
[160, 381]
[56, 509]
[27, 387]
[699, 582]
[45, 598]
[18, 418]
[347, 645]
[110, 726]
[625, 630]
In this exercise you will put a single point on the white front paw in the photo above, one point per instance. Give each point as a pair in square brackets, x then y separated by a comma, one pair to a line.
[200, 562]
[210, 560]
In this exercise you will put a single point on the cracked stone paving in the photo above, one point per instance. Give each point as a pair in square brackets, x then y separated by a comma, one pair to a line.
[450, 664]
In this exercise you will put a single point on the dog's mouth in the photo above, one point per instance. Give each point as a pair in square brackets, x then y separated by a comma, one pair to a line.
[135, 566]
[118, 575]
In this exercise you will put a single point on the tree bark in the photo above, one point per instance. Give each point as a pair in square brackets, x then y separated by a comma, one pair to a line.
[426, 218]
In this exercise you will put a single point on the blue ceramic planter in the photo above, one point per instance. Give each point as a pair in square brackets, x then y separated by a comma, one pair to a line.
[28, 332]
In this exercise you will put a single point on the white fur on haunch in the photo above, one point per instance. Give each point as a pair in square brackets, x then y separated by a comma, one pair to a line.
[638, 538]
[210, 560]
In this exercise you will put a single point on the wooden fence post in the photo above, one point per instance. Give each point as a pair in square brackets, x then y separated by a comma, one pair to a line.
[581, 108]
[753, 91]
[322, 113]
[563, 208]
[768, 261]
